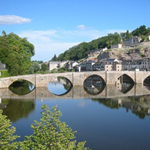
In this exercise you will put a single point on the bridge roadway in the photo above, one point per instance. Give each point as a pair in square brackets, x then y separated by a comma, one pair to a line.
[76, 78]
[77, 92]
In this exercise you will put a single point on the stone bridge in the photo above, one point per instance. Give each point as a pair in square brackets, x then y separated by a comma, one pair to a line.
[76, 78]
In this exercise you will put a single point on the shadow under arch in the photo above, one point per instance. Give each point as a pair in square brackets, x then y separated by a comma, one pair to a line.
[21, 87]
[94, 84]
[146, 82]
[67, 85]
[125, 83]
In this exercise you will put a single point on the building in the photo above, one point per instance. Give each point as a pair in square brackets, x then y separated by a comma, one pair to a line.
[99, 66]
[116, 46]
[145, 64]
[54, 65]
[112, 65]
[135, 40]
[89, 65]
[132, 65]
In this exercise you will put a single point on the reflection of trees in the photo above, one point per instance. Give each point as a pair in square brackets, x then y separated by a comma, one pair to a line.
[17, 109]
[21, 87]
[107, 103]
[140, 106]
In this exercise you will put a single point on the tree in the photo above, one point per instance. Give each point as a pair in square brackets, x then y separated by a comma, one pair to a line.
[51, 133]
[54, 58]
[34, 68]
[7, 137]
[44, 67]
[16, 53]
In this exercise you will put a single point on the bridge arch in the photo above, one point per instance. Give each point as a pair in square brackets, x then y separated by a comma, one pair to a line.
[94, 84]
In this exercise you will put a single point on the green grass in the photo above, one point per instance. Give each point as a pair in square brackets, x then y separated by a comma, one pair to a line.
[4, 73]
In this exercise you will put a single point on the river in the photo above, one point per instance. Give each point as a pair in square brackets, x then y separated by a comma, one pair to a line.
[105, 117]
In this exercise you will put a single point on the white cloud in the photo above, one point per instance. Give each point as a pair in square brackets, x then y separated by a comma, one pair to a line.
[12, 19]
[81, 27]
[50, 42]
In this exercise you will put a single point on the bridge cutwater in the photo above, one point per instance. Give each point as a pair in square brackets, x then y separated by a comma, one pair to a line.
[77, 78]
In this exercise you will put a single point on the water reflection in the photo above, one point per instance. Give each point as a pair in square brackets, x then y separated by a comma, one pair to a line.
[94, 85]
[21, 87]
[59, 86]
[140, 106]
[17, 108]
[124, 83]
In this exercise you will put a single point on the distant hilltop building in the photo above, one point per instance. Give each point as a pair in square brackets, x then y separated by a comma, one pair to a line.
[135, 40]
[116, 46]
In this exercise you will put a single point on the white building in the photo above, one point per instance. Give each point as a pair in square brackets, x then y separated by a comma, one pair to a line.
[54, 65]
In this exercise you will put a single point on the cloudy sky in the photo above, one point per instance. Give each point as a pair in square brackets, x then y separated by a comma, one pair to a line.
[54, 26]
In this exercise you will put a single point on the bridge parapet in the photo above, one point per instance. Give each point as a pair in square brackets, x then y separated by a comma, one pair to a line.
[76, 78]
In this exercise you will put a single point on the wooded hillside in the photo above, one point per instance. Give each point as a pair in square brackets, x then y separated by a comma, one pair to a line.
[81, 51]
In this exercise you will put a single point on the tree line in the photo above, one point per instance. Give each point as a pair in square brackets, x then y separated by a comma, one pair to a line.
[82, 50]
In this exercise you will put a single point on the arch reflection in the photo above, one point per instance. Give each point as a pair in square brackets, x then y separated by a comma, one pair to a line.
[21, 87]
[60, 86]
[146, 82]
[94, 85]
[125, 83]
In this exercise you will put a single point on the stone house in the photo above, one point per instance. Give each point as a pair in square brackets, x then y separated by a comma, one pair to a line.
[132, 64]
[145, 64]
[69, 65]
[54, 65]
[99, 66]
[135, 40]
[112, 65]
[89, 65]
[116, 46]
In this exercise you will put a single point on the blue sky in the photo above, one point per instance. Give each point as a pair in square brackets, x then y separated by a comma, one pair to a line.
[54, 26]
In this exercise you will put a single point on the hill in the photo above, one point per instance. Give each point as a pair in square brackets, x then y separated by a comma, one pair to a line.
[83, 49]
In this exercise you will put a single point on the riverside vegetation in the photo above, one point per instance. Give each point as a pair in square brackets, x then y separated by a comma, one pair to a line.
[49, 134]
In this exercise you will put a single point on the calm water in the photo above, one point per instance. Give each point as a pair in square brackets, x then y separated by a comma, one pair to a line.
[106, 120]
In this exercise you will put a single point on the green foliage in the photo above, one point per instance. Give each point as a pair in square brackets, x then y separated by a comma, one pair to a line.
[44, 67]
[34, 68]
[4, 73]
[142, 55]
[54, 58]
[16, 53]
[7, 137]
[51, 133]
[38, 61]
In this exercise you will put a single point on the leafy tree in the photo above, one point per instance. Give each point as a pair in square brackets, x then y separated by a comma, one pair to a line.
[7, 137]
[16, 53]
[51, 133]
[44, 67]
[34, 68]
